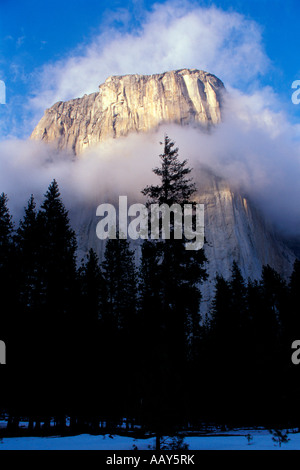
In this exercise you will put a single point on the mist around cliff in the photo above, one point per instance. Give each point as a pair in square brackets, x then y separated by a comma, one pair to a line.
[255, 149]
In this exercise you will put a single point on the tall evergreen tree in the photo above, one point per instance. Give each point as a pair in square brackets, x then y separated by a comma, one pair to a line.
[292, 329]
[119, 275]
[119, 321]
[92, 288]
[173, 274]
[239, 293]
[221, 307]
[58, 256]
[232, 345]
[28, 242]
[8, 310]
[176, 186]
[58, 300]
[89, 354]
[270, 324]
[181, 270]
[6, 229]
[230, 311]
[274, 300]
[29, 338]
[294, 300]
[7, 268]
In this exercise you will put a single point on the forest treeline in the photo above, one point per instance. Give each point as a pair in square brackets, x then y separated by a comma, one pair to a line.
[100, 341]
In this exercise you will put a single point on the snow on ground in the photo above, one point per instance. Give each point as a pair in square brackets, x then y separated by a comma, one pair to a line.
[81, 442]
[260, 440]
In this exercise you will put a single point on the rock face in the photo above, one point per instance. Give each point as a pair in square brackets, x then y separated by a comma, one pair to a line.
[132, 103]
[234, 229]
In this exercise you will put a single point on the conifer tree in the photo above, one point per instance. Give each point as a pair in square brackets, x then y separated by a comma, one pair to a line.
[92, 288]
[58, 300]
[231, 343]
[6, 229]
[181, 271]
[221, 327]
[176, 186]
[119, 274]
[170, 279]
[89, 353]
[229, 308]
[274, 301]
[239, 291]
[28, 242]
[58, 255]
[294, 300]
[221, 307]
[7, 267]
[119, 321]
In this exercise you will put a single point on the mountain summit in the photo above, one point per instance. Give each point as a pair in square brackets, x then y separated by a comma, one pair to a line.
[130, 103]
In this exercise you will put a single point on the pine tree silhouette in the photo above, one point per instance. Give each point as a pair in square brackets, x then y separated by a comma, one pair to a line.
[6, 267]
[119, 320]
[119, 275]
[28, 242]
[8, 310]
[92, 288]
[58, 255]
[58, 294]
[170, 279]
[175, 186]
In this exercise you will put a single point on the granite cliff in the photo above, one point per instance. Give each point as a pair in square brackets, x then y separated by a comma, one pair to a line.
[132, 103]
[234, 228]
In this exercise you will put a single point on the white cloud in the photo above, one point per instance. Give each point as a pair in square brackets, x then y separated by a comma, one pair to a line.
[172, 36]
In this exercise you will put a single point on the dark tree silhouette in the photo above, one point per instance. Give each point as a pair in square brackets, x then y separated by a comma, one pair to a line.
[170, 278]
[175, 186]
[6, 265]
[92, 288]
[119, 322]
[58, 255]
[119, 274]
[56, 300]
[28, 242]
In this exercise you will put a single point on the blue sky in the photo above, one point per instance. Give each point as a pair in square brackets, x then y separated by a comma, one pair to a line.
[38, 38]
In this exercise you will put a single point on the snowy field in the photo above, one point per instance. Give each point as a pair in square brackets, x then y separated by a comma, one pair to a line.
[249, 439]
